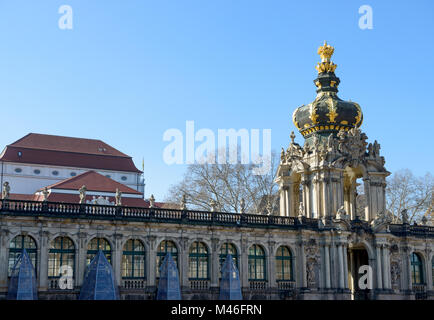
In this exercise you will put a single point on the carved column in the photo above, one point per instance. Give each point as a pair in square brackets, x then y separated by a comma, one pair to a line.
[379, 269]
[117, 257]
[304, 183]
[386, 269]
[43, 261]
[282, 193]
[325, 197]
[327, 265]
[341, 266]
[81, 253]
[429, 267]
[4, 245]
[214, 263]
[288, 204]
[345, 253]
[183, 263]
[317, 198]
[151, 257]
[244, 265]
[303, 265]
[271, 270]
[368, 207]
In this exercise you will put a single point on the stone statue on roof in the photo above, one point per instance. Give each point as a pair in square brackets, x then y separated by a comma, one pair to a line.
[118, 197]
[45, 194]
[82, 191]
[151, 201]
[6, 190]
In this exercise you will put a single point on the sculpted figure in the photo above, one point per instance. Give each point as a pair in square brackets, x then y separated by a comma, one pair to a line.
[45, 194]
[82, 191]
[243, 205]
[118, 197]
[151, 201]
[184, 202]
[6, 190]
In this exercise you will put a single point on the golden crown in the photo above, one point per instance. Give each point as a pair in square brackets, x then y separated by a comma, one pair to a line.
[325, 52]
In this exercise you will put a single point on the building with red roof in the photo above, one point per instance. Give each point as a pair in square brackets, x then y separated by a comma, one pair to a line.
[63, 165]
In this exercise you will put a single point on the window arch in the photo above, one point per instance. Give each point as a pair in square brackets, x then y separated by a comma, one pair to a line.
[165, 247]
[61, 253]
[225, 249]
[98, 244]
[17, 245]
[284, 264]
[256, 263]
[198, 261]
[417, 276]
[133, 260]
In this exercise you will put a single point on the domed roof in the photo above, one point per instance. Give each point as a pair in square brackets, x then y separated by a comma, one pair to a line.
[327, 113]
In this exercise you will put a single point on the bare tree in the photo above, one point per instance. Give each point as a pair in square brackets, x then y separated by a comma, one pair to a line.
[226, 185]
[404, 191]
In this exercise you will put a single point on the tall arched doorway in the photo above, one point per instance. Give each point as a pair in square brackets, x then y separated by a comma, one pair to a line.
[361, 288]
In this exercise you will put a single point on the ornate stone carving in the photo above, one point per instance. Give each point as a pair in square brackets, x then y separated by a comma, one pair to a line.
[118, 197]
[242, 205]
[6, 190]
[382, 219]
[353, 144]
[311, 250]
[184, 202]
[45, 194]
[342, 214]
[82, 192]
[151, 201]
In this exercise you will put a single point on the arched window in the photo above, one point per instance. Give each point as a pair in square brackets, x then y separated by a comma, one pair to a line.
[16, 247]
[165, 247]
[283, 264]
[227, 248]
[133, 260]
[256, 263]
[98, 244]
[61, 253]
[198, 261]
[416, 269]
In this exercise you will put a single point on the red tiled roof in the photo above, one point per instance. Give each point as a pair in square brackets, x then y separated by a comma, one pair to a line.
[93, 182]
[66, 151]
[66, 144]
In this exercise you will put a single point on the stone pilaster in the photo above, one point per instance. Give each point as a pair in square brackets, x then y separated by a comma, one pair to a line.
[117, 257]
[379, 269]
[151, 258]
[215, 268]
[43, 260]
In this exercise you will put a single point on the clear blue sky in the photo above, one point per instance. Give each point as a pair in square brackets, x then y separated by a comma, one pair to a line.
[129, 70]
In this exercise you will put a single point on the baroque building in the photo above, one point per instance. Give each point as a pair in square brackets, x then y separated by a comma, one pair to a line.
[322, 244]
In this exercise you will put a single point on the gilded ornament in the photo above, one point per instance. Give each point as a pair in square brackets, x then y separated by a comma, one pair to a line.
[313, 115]
[332, 110]
[358, 118]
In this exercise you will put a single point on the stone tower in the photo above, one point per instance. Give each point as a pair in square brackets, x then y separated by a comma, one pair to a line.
[319, 179]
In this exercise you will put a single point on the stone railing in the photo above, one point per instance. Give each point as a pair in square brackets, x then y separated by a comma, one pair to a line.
[285, 284]
[53, 284]
[199, 284]
[257, 284]
[420, 291]
[93, 211]
[133, 284]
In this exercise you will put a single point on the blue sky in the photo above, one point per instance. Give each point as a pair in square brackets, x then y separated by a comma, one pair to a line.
[130, 70]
